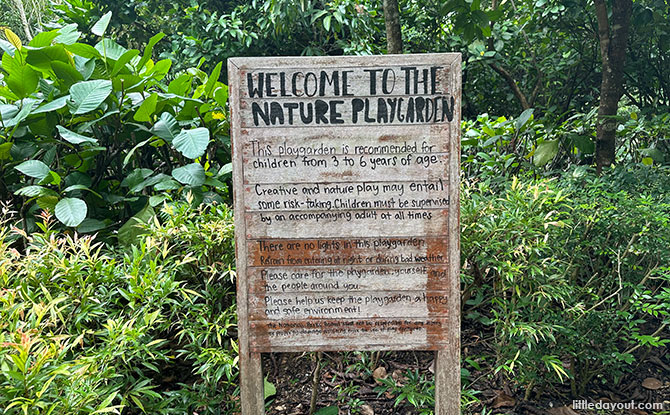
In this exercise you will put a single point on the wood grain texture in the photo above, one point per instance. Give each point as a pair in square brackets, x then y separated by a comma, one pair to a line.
[346, 188]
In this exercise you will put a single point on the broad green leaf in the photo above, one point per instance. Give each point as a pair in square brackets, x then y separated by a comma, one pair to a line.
[192, 143]
[181, 84]
[131, 231]
[110, 49]
[221, 96]
[43, 57]
[43, 39]
[34, 190]
[148, 49]
[147, 109]
[523, 119]
[66, 73]
[326, 22]
[167, 185]
[91, 225]
[5, 151]
[268, 388]
[88, 95]
[68, 34]
[54, 105]
[84, 50]
[20, 116]
[647, 161]
[7, 47]
[545, 152]
[166, 127]
[34, 168]
[192, 174]
[135, 178]
[71, 211]
[123, 60]
[100, 26]
[22, 81]
[74, 138]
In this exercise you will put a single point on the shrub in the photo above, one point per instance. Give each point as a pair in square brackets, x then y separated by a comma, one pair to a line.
[570, 274]
[90, 329]
[97, 134]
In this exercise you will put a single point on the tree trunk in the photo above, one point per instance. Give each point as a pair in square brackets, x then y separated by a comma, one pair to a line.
[393, 33]
[24, 20]
[613, 41]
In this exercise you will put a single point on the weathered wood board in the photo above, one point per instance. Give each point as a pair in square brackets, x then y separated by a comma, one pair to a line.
[346, 187]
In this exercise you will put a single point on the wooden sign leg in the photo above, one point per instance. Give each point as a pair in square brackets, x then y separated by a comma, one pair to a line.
[448, 381]
[251, 383]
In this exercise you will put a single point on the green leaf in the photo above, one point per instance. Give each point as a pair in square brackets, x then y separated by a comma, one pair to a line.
[328, 410]
[221, 95]
[326, 22]
[268, 388]
[71, 211]
[146, 110]
[166, 127]
[148, 49]
[523, 119]
[212, 80]
[20, 116]
[84, 50]
[88, 95]
[91, 225]
[100, 26]
[66, 74]
[34, 168]
[54, 105]
[647, 161]
[5, 151]
[110, 49]
[167, 185]
[34, 190]
[22, 81]
[123, 60]
[43, 39]
[545, 152]
[132, 230]
[192, 174]
[74, 138]
[192, 143]
[42, 58]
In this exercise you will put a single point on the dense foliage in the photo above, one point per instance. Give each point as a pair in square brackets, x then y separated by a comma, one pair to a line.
[113, 122]
[98, 133]
[87, 328]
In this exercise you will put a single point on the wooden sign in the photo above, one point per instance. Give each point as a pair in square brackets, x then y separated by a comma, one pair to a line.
[346, 187]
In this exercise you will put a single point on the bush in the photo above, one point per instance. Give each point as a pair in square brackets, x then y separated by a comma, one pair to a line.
[90, 329]
[570, 274]
[98, 134]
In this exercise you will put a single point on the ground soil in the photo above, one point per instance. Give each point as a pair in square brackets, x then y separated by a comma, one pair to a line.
[346, 381]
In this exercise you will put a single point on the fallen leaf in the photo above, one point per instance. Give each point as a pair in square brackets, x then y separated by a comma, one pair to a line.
[379, 373]
[503, 400]
[367, 410]
[563, 410]
[652, 384]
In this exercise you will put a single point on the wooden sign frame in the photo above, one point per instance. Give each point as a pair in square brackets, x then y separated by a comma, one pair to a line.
[447, 345]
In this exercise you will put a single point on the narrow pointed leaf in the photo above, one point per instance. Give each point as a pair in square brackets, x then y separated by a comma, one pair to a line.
[74, 138]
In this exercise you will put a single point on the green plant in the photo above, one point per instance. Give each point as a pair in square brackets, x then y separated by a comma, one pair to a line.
[96, 134]
[86, 328]
[414, 388]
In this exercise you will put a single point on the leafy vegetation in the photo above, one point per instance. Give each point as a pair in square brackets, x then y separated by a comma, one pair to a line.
[116, 247]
